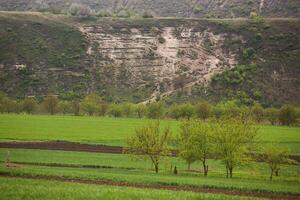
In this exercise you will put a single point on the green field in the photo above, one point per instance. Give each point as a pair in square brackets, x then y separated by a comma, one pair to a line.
[252, 176]
[249, 177]
[110, 131]
[12, 188]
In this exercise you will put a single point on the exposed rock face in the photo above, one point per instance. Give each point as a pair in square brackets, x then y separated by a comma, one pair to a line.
[171, 58]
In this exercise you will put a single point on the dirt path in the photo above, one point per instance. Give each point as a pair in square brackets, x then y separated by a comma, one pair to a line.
[161, 187]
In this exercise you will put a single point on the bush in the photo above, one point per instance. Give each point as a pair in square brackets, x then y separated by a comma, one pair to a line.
[147, 14]
[155, 110]
[203, 110]
[115, 110]
[104, 13]
[271, 115]
[248, 53]
[80, 10]
[257, 112]
[161, 40]
[91, 103]
[287, 115]
[29, 105]
[123, 14]
[50, 104]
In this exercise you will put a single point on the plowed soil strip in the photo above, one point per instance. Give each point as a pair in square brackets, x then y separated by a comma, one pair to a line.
[62, 146]
[72, 146]
[232, 192]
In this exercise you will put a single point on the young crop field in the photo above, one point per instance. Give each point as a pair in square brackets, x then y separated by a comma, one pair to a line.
[123, 168]
[13, 188]
[35, 173]
[111, 131]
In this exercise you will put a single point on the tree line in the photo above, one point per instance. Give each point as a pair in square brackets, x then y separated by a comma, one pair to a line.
[231, 140]
[94, 105]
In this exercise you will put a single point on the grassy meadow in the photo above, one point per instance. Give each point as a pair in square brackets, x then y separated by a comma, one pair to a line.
[111, 131]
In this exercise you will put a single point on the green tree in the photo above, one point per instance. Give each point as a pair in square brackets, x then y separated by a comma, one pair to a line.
[80, 10]
[8, 104]
[155, 110]
[103, 108]
[287, 115]
[75, 107]
[140, 110]
[127, 109]
[50, 104]
[29, 105]
[230, 109]
[195, 142]
[91, 103]
[271, 115]
[217, 111]
[174, 111]
[275, 156]
[203, 110]
[185, 143]
[150, 142]
[187, 110]
[257, 112]
[64, 107]
[234, 140]
[202, 139]
[115, 110]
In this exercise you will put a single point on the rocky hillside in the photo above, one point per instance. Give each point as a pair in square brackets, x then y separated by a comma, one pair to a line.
[168, 8]
[148, 59]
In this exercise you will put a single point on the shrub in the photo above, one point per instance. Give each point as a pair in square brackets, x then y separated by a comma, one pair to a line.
[50, 104]
[271, 115]
[80, 10]
[104, 13]
[147, 14]
[161, 40]
[123, 14]
[203, 110]
[29, 105]
[287, 115]
[155, 110]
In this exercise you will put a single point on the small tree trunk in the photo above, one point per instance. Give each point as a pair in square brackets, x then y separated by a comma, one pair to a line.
[226, 171]
[205, 168]
[277, 172]
[230, 171]
[271, 176]
[156, 168]
[189, 166]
